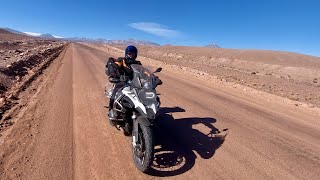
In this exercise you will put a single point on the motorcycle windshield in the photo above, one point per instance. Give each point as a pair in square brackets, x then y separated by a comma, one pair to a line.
[142, 77]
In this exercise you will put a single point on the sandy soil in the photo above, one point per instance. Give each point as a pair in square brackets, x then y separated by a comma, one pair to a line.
[22, 59]
[289, 75]
[61, 130]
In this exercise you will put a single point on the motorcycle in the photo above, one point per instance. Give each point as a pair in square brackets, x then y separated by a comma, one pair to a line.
[137, 105]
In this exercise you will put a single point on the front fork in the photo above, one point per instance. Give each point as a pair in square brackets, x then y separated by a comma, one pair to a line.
[135, 129]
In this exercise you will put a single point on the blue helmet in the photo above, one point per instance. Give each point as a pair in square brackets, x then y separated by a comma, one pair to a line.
[131, 49]
[131, 54]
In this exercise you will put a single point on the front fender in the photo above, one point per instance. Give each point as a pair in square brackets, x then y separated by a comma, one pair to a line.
[144, 121]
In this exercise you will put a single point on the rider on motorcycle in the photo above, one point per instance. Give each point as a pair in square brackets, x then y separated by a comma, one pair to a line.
[119, 71]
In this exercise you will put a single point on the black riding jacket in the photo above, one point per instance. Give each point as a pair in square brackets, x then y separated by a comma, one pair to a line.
[118, 70]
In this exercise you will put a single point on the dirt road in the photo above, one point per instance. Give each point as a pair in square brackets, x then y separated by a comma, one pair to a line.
[71, 138]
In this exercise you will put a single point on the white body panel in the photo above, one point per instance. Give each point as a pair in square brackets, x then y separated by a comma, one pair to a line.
[133, 97]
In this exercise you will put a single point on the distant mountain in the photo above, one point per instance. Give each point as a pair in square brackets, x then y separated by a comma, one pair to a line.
[213, 45]
[9, 35]
[78, 39]
[47, 36]
[133, 42]
[108, 41]
[14, 31]
[81, 39]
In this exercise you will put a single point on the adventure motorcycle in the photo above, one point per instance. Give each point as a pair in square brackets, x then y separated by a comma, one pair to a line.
[137, 105]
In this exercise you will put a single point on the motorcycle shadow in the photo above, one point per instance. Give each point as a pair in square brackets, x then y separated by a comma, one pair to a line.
[176, 142]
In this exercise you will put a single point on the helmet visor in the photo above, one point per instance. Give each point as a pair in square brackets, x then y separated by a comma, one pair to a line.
[132, 55]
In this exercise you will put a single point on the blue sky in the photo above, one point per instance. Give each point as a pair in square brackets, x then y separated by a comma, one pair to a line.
[287, 25]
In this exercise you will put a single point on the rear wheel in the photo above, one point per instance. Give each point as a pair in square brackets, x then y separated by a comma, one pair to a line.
[143, 151]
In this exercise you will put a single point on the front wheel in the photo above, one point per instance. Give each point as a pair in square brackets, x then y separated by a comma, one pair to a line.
[143, 149]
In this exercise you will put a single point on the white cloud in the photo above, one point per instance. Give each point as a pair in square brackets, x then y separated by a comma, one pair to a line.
[33, 33]
[57, 36]
[155, 29]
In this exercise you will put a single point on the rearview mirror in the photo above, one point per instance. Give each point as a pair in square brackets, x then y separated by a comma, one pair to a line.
[158, 70]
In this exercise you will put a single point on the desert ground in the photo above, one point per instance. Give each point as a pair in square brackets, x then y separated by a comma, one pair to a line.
[290, 75]
[225, 114]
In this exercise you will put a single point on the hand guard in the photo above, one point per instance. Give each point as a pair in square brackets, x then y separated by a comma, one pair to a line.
[114, 80]
[124, 78]
[158, 80]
